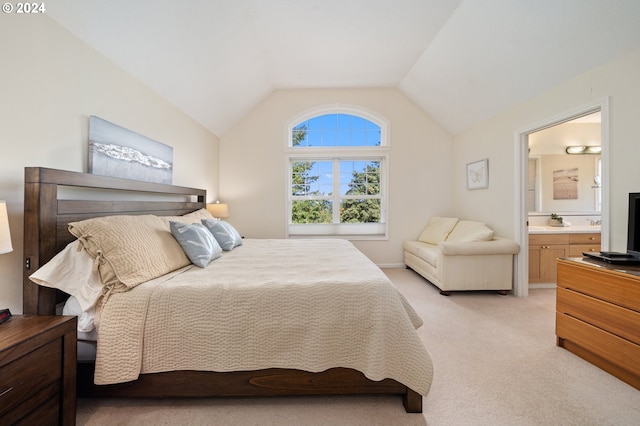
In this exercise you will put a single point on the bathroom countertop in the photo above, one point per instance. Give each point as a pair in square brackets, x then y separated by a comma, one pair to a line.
[564, 229]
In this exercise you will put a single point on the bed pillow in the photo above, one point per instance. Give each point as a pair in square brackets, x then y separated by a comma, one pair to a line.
[86, 325]
[193, 217]
[197, 242]
[71, 271]
[129, 250]
[226, 235]
[437, 230]
[468, 230]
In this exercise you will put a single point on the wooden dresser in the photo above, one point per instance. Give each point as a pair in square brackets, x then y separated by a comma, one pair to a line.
[598, 315]
[38, 370]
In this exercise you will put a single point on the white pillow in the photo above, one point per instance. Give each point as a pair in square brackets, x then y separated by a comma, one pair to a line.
[85, 318]
[467, 230]
[71, 271]
[437, 230]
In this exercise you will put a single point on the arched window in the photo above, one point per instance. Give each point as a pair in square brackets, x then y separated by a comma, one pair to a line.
[337, 177]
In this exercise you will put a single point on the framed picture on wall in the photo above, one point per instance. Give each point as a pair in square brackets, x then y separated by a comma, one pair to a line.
[478, 174]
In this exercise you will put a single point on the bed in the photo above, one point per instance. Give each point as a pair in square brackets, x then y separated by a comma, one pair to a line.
[296, 361]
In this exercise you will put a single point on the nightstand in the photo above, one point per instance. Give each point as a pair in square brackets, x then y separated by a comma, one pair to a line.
[38, 370]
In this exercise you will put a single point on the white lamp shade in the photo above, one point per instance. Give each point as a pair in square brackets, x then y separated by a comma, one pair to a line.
[218, 210]
[5, 235]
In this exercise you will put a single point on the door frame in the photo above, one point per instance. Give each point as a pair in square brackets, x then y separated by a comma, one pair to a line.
[521, 279]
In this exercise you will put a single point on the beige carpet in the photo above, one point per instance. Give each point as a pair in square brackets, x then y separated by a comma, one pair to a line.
[495, 363]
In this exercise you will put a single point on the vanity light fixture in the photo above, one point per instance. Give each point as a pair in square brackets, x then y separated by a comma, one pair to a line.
[593, 149]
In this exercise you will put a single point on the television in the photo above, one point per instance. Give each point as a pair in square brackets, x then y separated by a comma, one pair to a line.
[633, 226]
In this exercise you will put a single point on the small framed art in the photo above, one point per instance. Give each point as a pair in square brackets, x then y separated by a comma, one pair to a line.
[478, 174]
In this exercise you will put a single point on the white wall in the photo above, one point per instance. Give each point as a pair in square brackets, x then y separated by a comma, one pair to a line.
[50, 84]
[494, 139]
[253, 169]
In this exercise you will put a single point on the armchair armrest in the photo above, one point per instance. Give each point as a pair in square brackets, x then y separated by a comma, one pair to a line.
[471, 248]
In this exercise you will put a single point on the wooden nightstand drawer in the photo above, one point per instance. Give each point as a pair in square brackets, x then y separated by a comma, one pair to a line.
[25, 377]
[38, 370]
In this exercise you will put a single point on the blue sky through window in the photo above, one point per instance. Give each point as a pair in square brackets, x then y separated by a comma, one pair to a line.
[337, 130]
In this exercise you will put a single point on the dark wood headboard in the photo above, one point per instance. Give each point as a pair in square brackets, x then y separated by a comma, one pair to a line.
[49, 206]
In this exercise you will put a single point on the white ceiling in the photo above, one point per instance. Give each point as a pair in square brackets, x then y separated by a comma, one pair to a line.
[462, 61]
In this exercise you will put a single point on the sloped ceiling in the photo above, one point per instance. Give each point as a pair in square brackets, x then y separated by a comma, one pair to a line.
[462, 61]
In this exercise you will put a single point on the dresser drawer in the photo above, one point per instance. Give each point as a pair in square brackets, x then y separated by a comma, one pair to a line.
[624, 291]
[621, 353]
[613, 318]
[576, 250]
[38, 372]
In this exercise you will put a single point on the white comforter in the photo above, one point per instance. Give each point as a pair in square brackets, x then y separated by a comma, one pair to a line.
[300, 304]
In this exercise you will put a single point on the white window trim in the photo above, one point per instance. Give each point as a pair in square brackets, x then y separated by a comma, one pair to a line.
[356, 231]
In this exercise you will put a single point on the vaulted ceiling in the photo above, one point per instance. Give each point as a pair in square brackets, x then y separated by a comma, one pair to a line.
[462, 61]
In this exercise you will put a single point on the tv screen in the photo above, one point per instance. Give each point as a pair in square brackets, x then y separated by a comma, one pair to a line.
[633, 235]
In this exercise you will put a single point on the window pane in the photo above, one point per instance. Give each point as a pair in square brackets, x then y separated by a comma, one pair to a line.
[314, 137]
[325, 177]
[302, 178]
[329, 121]
[360, 211]
[358, 137]
[373, 137]
[344, 121]
[299, 135]
[359, 177]
[315, 123]
[311, 211]
[311, 178]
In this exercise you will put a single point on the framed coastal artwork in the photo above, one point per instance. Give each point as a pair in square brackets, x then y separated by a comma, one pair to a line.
[478, 174]
[116, 151]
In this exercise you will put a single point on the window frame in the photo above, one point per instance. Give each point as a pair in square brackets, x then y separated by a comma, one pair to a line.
[352, 231]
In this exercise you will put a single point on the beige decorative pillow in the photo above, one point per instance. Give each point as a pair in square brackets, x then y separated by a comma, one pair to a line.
[129, 250]
[467, 230]
[437, 229]
[193, 217]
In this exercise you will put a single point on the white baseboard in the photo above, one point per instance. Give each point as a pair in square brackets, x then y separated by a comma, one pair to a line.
[390, 265]
[543, 285]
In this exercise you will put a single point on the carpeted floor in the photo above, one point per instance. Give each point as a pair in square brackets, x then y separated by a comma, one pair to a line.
[495, 363]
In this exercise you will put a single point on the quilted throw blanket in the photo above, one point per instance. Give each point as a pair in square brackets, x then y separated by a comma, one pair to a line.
[300, 304]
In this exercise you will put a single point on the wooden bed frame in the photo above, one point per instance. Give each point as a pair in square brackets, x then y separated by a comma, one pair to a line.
[47, 212]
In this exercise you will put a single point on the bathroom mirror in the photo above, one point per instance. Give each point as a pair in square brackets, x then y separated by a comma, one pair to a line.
[566, 183]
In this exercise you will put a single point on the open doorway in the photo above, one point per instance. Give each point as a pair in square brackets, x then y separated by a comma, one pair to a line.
[525, 200]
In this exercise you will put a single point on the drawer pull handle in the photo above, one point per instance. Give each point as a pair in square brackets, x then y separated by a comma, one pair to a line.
[6, 391]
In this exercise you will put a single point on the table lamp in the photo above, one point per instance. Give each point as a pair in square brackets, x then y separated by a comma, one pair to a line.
[218, 210]
[5, 247]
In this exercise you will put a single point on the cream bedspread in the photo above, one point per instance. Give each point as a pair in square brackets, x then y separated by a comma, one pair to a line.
[301, 304]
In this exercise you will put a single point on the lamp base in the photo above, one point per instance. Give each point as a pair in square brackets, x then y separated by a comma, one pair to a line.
[5, 314]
